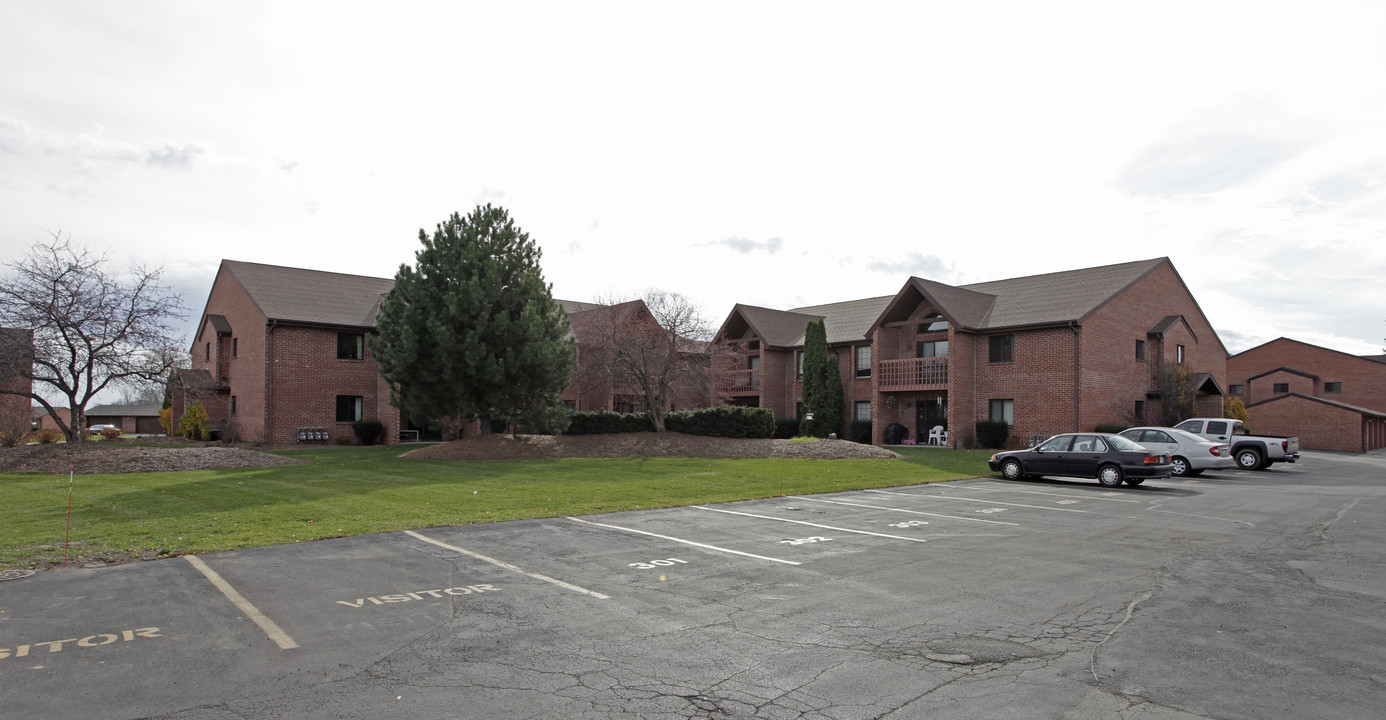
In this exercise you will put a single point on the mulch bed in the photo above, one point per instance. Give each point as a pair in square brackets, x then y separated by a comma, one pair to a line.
[669, 444]
[105, 457]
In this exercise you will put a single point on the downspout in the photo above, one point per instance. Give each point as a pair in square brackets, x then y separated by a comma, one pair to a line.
[1077, 365]
[269, 385]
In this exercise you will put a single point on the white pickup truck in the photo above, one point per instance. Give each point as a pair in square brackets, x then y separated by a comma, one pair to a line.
[1253, 452]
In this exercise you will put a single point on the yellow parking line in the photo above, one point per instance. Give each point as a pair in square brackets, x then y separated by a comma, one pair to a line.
[280, 637]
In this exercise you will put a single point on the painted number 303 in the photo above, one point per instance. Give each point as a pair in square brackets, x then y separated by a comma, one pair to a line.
[658, 563]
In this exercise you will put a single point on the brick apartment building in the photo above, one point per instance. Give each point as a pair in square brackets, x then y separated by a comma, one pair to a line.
[597, 385]
[1047, 353]
[1329, 399]
[282, 351]
[16, 357]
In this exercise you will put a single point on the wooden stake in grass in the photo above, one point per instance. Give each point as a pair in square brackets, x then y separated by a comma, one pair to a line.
[67, 531]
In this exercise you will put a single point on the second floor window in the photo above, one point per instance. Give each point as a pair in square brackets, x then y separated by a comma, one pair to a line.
[351, 346]
[1332, 387]
[1179, 353]
[931, 348]
[1280, 387]
[1234, 389]
[863, 358]
[1002, 348]
[1140, 349]
[799, 361]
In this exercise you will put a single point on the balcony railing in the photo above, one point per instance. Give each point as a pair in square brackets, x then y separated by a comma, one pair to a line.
[739, 382]
[929, 373]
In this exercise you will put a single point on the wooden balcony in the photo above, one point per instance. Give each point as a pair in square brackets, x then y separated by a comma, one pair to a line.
[739, 382]
[930, 373]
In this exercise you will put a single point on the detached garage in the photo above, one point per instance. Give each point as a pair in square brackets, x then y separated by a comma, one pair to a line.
[1320, 424]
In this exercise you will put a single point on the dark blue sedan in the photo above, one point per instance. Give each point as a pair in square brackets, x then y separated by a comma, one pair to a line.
[1111, 459]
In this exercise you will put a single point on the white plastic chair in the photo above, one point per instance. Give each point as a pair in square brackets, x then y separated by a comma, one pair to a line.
[937, 436]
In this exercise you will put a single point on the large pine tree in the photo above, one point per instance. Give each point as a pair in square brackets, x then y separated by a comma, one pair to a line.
[822, 384]
[472, 331]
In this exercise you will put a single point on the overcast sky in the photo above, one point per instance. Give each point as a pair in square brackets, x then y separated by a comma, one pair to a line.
[775, 154]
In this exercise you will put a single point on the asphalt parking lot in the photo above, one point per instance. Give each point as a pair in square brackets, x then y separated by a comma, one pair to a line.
[1231, 595]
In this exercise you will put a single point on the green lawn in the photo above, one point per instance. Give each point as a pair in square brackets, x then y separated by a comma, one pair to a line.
[356, 491]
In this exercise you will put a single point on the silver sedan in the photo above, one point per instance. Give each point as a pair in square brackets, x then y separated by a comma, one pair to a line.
[1189, 453]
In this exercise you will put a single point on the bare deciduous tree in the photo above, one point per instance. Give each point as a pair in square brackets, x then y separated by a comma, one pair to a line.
[655, 348]
[93, 329]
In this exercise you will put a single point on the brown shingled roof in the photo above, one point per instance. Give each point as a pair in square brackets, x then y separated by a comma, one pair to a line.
[845, 322]
[1057, 297]
[311, 296]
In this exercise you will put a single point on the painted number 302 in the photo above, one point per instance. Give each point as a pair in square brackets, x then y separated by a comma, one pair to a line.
[657, 563]
[804, 541]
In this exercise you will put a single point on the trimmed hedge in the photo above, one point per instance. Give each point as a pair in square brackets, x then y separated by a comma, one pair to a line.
[368, 431]
[860, 432]
[1110, 428]
[786, 428]
[605, 422]
[993, 434]
[725, 421]
[733, 421]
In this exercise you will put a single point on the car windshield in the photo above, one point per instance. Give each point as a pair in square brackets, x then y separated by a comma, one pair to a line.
[1122, 443]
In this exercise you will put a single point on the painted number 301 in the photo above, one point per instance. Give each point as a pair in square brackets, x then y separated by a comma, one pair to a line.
[804, 541]
[657, 563]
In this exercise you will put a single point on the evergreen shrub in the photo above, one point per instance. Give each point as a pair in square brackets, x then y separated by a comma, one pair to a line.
[732, 421]
[860, 432]
[786, 428]
[602, 422]
[993, 434]
[368, 431]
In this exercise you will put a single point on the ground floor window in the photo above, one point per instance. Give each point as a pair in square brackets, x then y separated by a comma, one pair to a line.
[863, 411]
[1003, 410]
[349, 408]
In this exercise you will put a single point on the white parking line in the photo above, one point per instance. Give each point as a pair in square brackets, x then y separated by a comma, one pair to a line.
[1041, 492]
[681, 540]
[269, 627]
[805, 522]
[508, 566]
[1201, 517]
[911, 512]
[932, 496]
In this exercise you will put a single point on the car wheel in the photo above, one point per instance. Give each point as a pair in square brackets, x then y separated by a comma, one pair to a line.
[1011, 470]
[1180, 467]
[1110, 476]
[1249, 459]
[1134, 481]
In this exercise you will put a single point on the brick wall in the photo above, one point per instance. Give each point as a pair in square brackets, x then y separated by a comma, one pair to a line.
[306, 378]
[1363, 381]
[1319, 426]
[17, 352]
